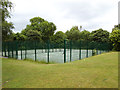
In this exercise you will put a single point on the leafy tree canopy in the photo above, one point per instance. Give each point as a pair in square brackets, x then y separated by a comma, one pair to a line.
[73, 34]
[99, 35]
[59, 37]
[74, 28]
[5, 5]
[116, 27]
[115, 38]
[7, 27]
[85, 35]
[34, 35]
[44, 27]
[19, 37]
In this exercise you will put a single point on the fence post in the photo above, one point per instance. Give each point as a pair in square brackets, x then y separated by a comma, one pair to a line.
[12, 48]
[16, 50]
[21, 53]
[8, 50]
[87, 50]
[35, 51]
[64, 51]
[25, 50]
[21, 50]
[5, 49]
[2, 51]
[70, 51]
[80, 51]
[48, 46]
[100, 48]
[92, 51]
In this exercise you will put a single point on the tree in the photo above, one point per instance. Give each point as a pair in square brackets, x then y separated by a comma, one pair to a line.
[33, 35]
[115, 38]
[44, 27]
[73, 34]
[85, 35]
[7, 33]
[80, 28]
[99, 35]
[6, 26]
[116, 27]
[5, 5]
[19, 37]
[74, 28]
[59, 37]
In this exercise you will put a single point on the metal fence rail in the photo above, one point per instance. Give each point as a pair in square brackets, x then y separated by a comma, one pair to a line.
[65, 51]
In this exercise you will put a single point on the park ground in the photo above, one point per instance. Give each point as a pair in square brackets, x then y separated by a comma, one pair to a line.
[100, 71]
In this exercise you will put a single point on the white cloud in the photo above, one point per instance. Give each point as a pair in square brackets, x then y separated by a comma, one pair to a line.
[91, 14]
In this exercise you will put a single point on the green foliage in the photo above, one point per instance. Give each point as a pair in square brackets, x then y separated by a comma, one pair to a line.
[85, 35]
[6, 26]
[116, 27]
[99, 35]
[74, 28]
[5, 6]
[115, 38]
[73, 34]
[6, 30]
[45, 28]
[19, 37]
[36, 20]
[24, 32]
[59, 37]
[33, 35]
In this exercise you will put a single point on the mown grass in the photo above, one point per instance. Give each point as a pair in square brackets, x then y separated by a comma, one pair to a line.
[99, 71]
[40, 62]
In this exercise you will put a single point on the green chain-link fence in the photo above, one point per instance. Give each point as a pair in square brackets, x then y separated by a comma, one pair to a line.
[62, 52]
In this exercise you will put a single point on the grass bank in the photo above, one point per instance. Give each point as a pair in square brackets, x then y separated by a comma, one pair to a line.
[99, 71]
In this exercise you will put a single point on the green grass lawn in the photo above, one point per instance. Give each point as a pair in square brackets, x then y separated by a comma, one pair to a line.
[99, 71]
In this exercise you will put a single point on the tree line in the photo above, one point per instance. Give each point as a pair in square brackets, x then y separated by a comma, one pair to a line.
[41, 30]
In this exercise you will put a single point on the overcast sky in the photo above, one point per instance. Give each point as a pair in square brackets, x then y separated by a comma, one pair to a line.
[90, 14]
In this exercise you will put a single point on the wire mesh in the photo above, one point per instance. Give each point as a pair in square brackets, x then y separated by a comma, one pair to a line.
[49, 51]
